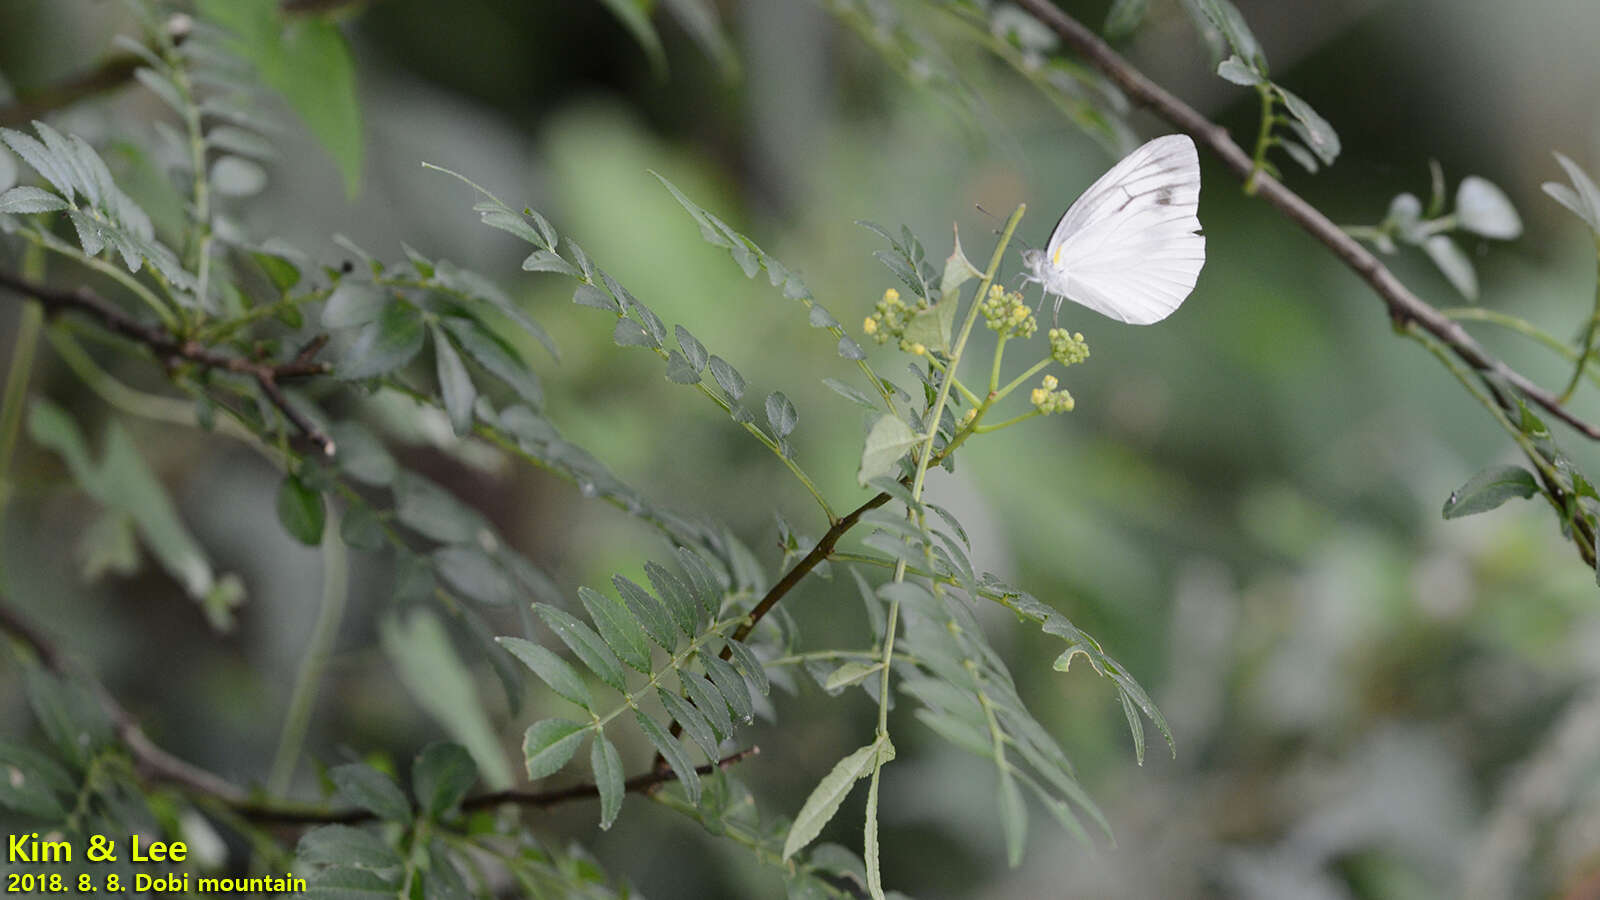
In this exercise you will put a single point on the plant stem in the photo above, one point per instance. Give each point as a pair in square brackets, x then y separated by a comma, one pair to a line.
[16, 387]
[1588, 336]
[319, 648]
[1258, 161]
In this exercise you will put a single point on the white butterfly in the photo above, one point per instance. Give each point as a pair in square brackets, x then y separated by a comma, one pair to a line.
[1130, 247]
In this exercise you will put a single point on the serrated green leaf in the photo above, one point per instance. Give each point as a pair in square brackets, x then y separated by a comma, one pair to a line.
[618, 628]
[551, 669]
[344, 883]
[745, 660]
[648, 612]
[694, 722]
[361, 785]
[1489, 489]
[709, 701]
[584, 644]
[549, 745]
[827, 796]
[730, 684]
[675, 595]
[607, 765]
[27, 199]
[672, 751]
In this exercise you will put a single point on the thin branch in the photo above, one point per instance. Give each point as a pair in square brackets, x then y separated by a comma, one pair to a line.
[534, 799]
[170, 349]
[1404, 306]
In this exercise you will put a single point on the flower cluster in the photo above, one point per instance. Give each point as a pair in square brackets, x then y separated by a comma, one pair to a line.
[1048, 400]
[1007, 314]
[890, 319]
[1066, 347]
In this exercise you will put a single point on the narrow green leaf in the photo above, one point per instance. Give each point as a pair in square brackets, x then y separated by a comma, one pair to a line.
[1583, 198]
[827, 796]
[672, 751]
[850, 673]
[455, 384]
[618, 628]
[607, 765]
[497, 357]
[693, 350]
[676, 597]
[1013, 817]
[635, 16]
[849, 393]
[549, 261]
[549, 745]
[731, 685]
[694, 722]
[589, 295]
[1317, 133]
[1489, 489]
[551, 669]
[361, 785]
[648, 612]
[432, 511]
[709, 702]
[745, 660]
[584, 644]
[27, 199]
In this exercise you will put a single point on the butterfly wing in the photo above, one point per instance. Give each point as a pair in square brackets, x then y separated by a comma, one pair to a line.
[1129, 248]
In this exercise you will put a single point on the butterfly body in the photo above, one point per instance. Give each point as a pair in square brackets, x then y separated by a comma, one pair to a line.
[1130, 247]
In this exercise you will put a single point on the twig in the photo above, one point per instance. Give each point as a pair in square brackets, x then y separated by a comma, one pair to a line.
[535, 799]
[170, 348]
[1404, 306]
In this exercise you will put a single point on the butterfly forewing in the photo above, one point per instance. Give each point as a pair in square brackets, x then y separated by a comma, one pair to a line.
[1129, 247]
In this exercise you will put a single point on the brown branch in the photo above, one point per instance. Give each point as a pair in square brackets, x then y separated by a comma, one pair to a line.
[171, 349]
[1404, 306]
[264, 813]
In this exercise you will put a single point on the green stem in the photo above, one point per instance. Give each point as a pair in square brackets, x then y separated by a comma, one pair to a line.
[114, 272]
[319, 649]
[1522, 327]
[985, 429]
[1017, 381]
[1588, 336]
[1258, 161]
[999, 354]
[16, 388]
